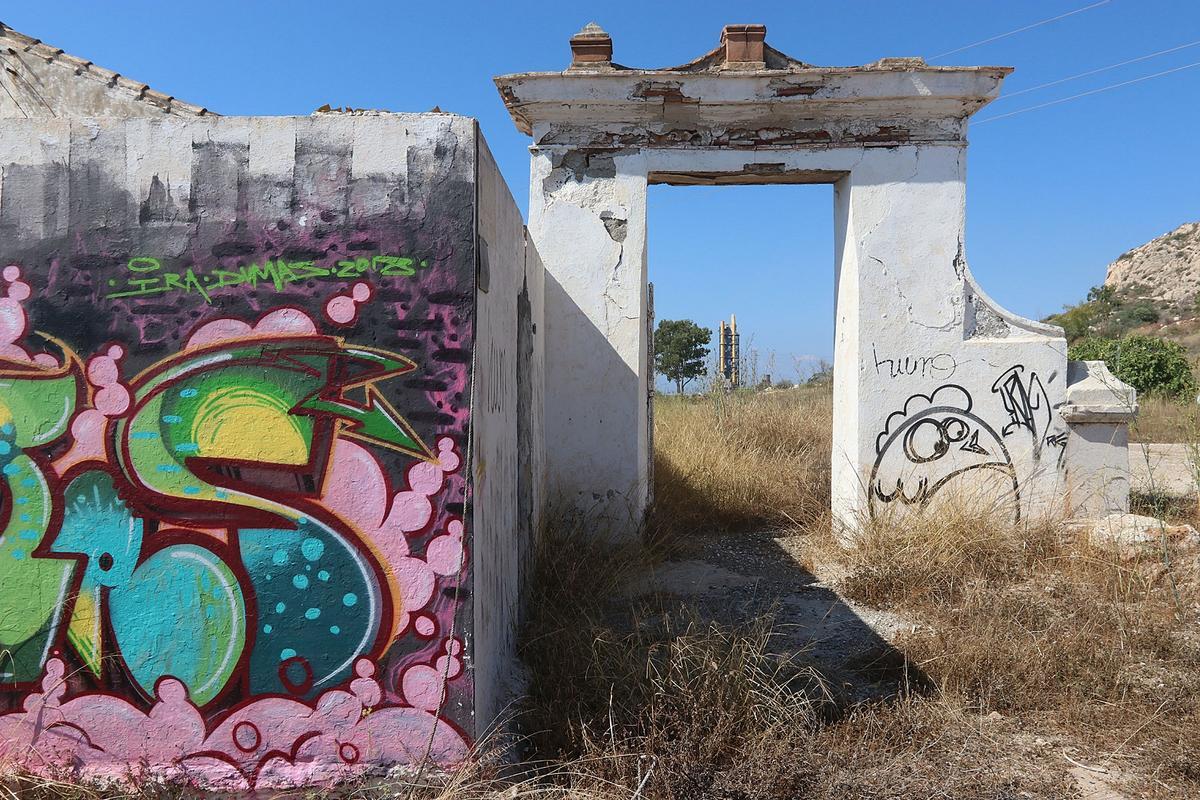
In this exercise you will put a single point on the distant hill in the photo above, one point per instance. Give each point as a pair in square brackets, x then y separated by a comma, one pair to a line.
[1165, 269]
[1152, 289]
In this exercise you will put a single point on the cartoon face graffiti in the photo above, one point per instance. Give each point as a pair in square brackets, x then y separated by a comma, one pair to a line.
[936, 445]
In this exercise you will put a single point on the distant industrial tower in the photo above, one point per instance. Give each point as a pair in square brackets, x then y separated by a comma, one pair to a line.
[729, 353]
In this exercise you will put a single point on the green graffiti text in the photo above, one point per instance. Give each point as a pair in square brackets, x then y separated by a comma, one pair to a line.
[147, 278]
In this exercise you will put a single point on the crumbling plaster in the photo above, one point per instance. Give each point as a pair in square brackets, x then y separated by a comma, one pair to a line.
[920, 350]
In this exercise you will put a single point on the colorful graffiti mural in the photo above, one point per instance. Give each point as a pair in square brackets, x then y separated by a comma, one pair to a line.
[214, 529]
[234, 502]
[247, 537]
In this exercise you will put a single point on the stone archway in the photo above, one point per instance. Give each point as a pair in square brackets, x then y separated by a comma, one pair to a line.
[934, 383]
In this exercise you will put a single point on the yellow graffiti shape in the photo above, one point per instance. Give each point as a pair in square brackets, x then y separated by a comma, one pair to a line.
[244, 424]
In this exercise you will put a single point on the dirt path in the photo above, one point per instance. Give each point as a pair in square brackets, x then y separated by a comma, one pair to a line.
[731, 579]
[1162, 469]
[734, 578]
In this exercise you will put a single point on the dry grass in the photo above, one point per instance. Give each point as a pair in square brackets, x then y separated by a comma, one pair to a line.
[1032, 617]
[639, 694]
[1167, 421]
[642, 699]
[1038, 652]
[741, 462]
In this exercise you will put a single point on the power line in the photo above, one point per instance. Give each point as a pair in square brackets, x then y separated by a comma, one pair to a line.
[1023, 29]
[1099, 70]
[1090, 92]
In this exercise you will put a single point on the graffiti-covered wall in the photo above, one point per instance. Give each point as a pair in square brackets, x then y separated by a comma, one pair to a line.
[940, 395]
[235, 414]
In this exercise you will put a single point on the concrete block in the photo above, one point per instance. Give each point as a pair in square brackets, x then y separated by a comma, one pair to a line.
[1098, 410]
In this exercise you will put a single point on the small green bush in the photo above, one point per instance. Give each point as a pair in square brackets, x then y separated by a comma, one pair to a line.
[1077, 321]
[1137, 314]
[1155, 367]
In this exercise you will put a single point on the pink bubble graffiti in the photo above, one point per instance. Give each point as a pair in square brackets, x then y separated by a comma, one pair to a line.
[272, 743]
[342, 308]
[14, 323]
[356, 489]
[424, 685]
[289, 321]
[110, 399]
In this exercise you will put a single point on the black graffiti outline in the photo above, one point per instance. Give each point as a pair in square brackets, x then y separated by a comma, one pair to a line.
[911, 365]
[1059, 440]
[925, 492]
[903, 413]
[1022, 402]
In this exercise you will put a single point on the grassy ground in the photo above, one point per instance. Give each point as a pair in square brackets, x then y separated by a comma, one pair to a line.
[1045, 664]
[1165, 421]
[741, 462]
[1040, 664]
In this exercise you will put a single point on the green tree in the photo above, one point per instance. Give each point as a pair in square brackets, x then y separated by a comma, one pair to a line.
[1106, 296]
[1152, 366]
[680, 347]
[1076, 321]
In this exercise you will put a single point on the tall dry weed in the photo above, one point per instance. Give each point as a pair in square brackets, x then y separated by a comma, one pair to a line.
[1033, 619]
[918, 559]
[1166, 421]
[741, 461]
[645, 697]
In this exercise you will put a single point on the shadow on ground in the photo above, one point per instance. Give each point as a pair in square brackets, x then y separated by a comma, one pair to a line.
[732, 579]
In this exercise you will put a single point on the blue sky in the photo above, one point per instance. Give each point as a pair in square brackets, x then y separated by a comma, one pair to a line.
[1053, 194]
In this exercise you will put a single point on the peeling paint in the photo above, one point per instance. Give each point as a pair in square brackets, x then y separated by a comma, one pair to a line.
[986, 322]
[784, 87]
[669, 91]
[617, 228]
[891, 137]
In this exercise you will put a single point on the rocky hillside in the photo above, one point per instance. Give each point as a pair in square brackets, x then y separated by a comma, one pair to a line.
[1165, 270]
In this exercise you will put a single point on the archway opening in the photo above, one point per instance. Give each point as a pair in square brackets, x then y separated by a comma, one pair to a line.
[746, 445]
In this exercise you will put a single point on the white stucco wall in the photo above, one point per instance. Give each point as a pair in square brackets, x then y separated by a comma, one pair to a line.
[910, 321]
[596, 371]
[500, 263]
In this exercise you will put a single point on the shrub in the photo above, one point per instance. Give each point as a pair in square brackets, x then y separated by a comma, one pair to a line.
[1139, 313]
[1076, 321]
[1107, 312]
[1154, 367]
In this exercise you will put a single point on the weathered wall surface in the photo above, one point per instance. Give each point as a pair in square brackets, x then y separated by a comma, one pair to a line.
[531, 398]
[500, 533]
[235, 409]
[937, 390]
[588, 219]
[940, 395]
